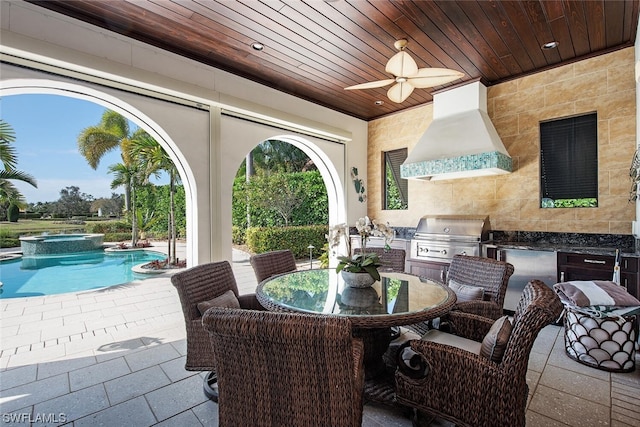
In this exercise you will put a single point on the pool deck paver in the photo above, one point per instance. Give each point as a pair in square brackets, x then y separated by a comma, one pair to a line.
[116, 356]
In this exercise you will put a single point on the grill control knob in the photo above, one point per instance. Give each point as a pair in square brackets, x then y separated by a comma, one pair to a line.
[443, 252]
[423, 250]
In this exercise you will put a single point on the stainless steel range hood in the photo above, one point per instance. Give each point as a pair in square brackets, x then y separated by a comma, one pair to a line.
[461, 142]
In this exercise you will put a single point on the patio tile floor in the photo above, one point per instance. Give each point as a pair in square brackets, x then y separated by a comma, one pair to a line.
[115, 357]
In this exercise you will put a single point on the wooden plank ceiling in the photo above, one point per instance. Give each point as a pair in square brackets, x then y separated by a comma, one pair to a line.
[313, 49]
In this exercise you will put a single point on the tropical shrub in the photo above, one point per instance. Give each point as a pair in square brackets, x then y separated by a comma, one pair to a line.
[311, 192]
[155, 198]
[8, 238]
[237, 235]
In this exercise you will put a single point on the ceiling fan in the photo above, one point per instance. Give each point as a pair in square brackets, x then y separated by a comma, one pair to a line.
[407, 75]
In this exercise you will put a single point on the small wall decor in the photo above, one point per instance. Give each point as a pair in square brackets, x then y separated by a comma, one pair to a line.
[359, 185]
[634, 174]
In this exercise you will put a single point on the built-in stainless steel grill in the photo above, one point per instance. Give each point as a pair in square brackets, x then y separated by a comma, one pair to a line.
[439, 238]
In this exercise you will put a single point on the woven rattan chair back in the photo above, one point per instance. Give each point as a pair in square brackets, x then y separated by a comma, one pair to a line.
[539, 306]
[269, 264]
[471, 390]
[286, 369]
[391, 259]
[194, 285]
[490, 274]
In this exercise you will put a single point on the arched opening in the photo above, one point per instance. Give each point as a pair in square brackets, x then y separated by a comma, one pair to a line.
[296, 164]
[12, 87]
[328, 156]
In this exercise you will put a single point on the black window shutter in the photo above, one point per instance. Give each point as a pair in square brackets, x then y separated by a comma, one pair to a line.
[569, 157]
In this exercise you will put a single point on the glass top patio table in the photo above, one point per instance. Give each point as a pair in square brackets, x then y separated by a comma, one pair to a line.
[396, 299]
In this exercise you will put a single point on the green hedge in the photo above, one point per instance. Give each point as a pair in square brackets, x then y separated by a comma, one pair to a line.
[106, 227]
[297, 239]
[117, 237]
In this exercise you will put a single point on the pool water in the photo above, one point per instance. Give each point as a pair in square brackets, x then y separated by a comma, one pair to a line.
[57, 274]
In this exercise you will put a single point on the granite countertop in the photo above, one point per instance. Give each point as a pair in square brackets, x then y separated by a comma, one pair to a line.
[560, 247]
[581, 243]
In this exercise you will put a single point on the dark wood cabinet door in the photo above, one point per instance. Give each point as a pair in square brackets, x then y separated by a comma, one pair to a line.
[572, 266]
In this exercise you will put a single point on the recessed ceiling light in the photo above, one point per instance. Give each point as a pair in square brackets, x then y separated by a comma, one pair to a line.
[257, 46]
[379, 102]
[550, 45]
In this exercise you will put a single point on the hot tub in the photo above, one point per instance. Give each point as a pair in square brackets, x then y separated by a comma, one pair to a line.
[60, 243]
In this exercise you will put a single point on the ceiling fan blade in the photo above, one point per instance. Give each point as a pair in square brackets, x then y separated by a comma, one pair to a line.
[371, 85]
[436, 72]
[401, 65]
[425, 82]
[399, 92]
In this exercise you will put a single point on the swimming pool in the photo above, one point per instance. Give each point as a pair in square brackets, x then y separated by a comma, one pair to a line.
[57, 274]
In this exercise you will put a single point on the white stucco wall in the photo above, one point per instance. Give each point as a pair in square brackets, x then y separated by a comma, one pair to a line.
[45, 40]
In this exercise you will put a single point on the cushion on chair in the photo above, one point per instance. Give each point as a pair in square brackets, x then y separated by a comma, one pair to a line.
[410, 363]
[466, 292]
[437, 336]
[227, 299]
[495, 342]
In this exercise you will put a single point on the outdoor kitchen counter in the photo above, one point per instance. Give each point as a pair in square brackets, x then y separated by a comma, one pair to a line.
[587, 250]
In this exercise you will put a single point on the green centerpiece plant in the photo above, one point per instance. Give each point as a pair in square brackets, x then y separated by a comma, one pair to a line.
[363, 262]
[360, 263]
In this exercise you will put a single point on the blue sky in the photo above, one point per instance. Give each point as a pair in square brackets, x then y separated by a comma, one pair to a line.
[46, 129]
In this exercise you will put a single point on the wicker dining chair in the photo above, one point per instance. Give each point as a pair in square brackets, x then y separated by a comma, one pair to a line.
[271, 263]
[488, 273]
[286, 369]
[392, 258]
[468, 388]
[200, 284]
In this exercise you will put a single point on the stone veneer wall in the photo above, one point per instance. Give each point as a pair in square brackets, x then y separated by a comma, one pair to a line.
[604, 84]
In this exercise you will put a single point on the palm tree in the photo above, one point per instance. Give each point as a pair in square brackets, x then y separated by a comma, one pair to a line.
[153, 159]
[9, 194]
[111, 133]
[280, 156]
[127, 176]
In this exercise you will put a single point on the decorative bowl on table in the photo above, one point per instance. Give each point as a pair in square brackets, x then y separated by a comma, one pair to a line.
[357, 280]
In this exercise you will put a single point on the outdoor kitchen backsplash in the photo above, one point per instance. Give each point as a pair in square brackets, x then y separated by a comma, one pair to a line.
[604, 84]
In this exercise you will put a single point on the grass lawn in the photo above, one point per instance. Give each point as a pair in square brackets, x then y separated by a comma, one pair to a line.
[35, 226]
